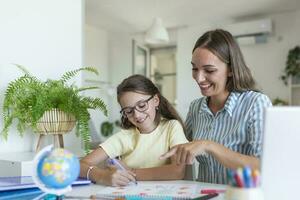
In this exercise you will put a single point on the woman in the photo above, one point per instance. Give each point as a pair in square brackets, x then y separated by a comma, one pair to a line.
[226, 125]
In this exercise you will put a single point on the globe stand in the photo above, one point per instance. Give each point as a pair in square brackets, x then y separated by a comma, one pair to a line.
[56, 123]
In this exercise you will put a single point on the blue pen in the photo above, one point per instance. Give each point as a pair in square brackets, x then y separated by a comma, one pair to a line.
[247, 177]
[116, 163]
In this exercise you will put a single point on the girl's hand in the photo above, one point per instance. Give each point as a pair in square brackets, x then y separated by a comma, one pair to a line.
[114, 177]
[186, 153]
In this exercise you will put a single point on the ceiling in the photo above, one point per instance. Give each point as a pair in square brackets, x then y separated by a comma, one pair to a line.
[136, 15]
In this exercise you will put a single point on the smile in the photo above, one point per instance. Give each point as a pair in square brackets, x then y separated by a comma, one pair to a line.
[205, 86]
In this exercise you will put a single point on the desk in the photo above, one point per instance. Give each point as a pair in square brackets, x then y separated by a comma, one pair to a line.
[86, 191]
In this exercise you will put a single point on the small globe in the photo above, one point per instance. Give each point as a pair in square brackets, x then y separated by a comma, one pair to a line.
[56, 169]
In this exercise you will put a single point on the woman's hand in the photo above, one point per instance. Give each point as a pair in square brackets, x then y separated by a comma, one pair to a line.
[186, 153]
[114, 177]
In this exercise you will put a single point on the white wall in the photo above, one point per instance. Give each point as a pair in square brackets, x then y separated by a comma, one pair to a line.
[187, 89]
[96, 55]
[120, 62]
[267, 61]
[46, 37]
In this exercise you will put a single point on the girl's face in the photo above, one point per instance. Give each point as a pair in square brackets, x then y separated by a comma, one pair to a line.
[140, 110]
[210, 73]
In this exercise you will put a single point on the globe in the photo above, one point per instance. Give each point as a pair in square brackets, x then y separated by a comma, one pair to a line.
[55, 170]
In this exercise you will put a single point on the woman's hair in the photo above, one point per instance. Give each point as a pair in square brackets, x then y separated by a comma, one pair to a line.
[222, 44]
[141, 84]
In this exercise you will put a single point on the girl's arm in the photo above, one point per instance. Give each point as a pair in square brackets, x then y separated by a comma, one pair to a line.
[171, 171]
[103, 176]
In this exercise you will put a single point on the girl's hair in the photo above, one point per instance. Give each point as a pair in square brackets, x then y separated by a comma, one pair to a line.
[141, 84]
[222, 44]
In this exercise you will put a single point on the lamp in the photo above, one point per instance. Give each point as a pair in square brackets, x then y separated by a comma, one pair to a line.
[157, 33]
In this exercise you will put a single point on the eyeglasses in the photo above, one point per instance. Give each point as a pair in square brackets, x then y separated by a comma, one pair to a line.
[140, 106]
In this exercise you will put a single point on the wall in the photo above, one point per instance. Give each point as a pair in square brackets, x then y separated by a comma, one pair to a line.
[96, 55]
[187, 89]
[267, 61]
[46, 37]
[120, 62]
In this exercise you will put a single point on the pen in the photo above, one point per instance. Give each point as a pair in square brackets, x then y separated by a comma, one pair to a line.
[209, 191]
[255, 178]
[247, 177]
[205, 197]
[116, 163]
[238, 177]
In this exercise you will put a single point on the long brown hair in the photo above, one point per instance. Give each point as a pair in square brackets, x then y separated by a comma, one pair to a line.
[141, 84]
[222, 44]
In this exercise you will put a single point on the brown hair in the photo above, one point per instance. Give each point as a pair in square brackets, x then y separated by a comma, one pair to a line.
[143, 85]
[222, 44]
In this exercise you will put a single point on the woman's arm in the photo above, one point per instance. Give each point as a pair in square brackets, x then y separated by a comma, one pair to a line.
[186, 153]
[171, 171]
[229, 158]
[103, 176]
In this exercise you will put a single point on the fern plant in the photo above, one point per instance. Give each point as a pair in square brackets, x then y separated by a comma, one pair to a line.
[27, 98]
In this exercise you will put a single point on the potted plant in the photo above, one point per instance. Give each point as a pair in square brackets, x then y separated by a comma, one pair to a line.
[41, 104]
[292, 65]
[107, 127]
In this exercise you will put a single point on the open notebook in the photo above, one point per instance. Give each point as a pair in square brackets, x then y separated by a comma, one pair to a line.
[25, 182]
[152, 191]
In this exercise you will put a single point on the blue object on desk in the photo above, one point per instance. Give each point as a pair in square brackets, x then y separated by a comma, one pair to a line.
[25, 182]
[135, 197]
[247, 177]
[24, 194]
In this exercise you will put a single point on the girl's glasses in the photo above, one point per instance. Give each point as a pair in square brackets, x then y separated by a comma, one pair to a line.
[140, 106]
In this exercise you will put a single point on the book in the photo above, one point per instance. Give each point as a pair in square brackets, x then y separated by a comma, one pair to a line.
[151, 191]
[26, 182]
[24, 194]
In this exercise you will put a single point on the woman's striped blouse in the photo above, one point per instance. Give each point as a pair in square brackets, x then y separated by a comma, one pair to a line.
[238, 126]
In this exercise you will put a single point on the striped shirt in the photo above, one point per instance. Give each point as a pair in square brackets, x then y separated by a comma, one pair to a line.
[238, 126]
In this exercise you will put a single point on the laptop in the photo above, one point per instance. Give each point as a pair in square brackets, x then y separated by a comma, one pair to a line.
[281, 153]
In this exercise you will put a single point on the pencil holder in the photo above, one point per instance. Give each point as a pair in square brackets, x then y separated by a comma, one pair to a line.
[235, 193]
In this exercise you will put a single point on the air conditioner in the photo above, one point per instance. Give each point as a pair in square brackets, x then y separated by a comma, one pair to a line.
[251, 32]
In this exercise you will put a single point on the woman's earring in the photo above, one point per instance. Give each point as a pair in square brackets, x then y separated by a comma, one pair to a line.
[156, 108]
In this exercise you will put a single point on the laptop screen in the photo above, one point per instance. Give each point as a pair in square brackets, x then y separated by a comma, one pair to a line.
[281, 149]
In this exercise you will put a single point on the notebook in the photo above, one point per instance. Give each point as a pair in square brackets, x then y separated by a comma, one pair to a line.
[175, 191]
[24, 194]
[25, 182]
[280, 158]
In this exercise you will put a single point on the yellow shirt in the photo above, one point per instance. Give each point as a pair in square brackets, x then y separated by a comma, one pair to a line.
[143, 150]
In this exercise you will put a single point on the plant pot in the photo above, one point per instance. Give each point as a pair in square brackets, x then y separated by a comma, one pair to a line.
[55, 121]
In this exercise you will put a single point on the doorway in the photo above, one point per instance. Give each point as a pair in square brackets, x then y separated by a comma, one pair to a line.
[163, 71]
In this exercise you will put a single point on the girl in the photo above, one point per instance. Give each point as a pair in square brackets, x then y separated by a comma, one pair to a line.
[151, 126]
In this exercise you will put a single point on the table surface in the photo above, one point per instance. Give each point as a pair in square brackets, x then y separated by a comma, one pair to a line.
[84, 192]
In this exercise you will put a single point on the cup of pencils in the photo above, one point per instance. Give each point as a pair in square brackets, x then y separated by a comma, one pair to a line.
[244, 184]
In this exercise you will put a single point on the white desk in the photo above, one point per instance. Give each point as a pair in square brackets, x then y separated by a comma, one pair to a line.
[86, 191]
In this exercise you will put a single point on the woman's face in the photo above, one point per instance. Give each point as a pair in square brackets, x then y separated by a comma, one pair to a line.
[210, 73]
[140, 110]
